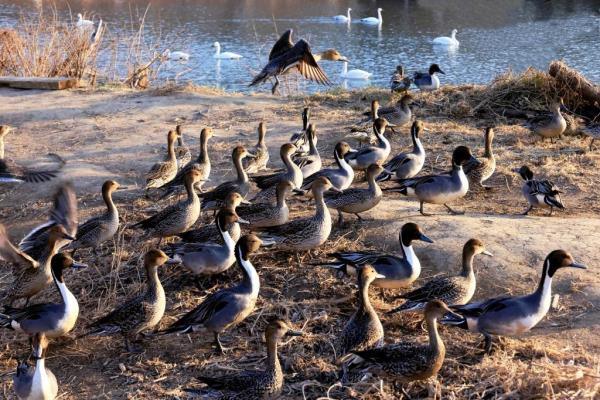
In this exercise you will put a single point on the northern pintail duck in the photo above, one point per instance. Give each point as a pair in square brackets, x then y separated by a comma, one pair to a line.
[440, 189]
[140, 313]
[539, 193]
[258, 163]
[357, 200]
[264, 215]
[511, 316]
[213, 199]
[177, 217]
[341, 177]
[305, 233]
[285, 56]
[428, 80]
[182, 152]
[164, 171]
[299, 139]
[38, 383]
[481, 172]
[407, 165]
[227, 307]
[411, 361]
[550, 127]
[292, 173]
[11, 172]
[399, 272]
[51, 319]
[452, 290]
[208, 258]
[95, 231]
[363, 330]
[254, 384]
[400, 83]
[210, 233]
[397, 115]
[201, 164]
[365, 156]
[311, 161]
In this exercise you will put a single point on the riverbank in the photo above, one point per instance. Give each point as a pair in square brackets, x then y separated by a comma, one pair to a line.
[118, 134]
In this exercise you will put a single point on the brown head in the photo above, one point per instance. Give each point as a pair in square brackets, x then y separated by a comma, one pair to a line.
[475, 247]
[109, 186]
[192, 176]
[342, 148]
[379, 125]
[311, 131]
[417, 128]
[206, 134]
[411, 231]
[171, 137]
[58, 232]
[374, 107]
[233, 200]
[155, 258]
[462, 155]
[287, 150]
[279, 328]
[178, 130]
[225, 218]
[374, 170]
[4, 130]
[560, 259]
[332, 55]
[367, 275]
[284, 188]
[39, 344]
[248, 244]
[239, 152]
[262, 131]
[406, 99]
[436, 309]
[321, 185]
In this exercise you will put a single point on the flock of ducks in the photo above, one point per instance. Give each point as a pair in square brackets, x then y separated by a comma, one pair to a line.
[242, 225]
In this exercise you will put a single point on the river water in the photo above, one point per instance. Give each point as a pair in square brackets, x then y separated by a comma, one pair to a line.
[494, 35]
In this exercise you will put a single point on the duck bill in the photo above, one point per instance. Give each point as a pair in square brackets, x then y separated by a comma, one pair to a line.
[578, 265]
[380, 276]
[424, 238]
[244, 201]
[294, 333]
[250, 155]
[67, 236]
[243, 221]
[172, 261]
[441, 72]
[452, 318]
[474, 159]
[267, 242]
[387, 171]
[79, 265]
[334, 189]
[344, 59]
[487, 253]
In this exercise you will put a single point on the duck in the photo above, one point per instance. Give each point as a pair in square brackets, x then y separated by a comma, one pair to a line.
[440, 189]
[293, 173]
[213, 199]
[62, 215]
[452, 290]
[550, 127]
[299, 139]
[140, 313]
[304, 234]
[164, 171]
[354, 74]
[428, 81]
[311, 162]
[261, 151]
[513, 315]
[253, 384]
[11, 254]
[10, 172]
[397, 115]
[227, 307]
[481, 172]
[373, 20]
[176, 218]
[84, 23]
[365, 156]
[286, 56]
[343, 18]
[182, 152]
[407, 165]
[363, 330]
[399, 272]
[341, 177]
[539, 193]
[97, 230]
[411, 361]
[51, 319]
[447, 41]
[400, 83]
[210, 233]
[39, 382]
[201, 164]
[226, 55]
[264, 215]
[176, 55]
[208, 258]
[330, 55]
[357, 200]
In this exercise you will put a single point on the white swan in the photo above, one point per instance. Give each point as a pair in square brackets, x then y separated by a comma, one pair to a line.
[357, 74]
[343, 18]
[83, 23]
[447, 41]
[176, 55]
[373, 20]
[224, 55]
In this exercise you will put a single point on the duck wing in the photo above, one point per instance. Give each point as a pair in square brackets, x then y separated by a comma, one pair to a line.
[8, 252]
[282, 45]
[266, 181]
[202, 313]
[482, 307]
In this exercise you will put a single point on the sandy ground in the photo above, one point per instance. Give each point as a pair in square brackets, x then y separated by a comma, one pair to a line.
[119, 134]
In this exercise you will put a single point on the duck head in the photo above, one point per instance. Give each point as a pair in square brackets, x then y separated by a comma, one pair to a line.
[462, 155]
[321, 185]
[284, 188]
[39, 344]
[155, 258]
[411, 231]
[172, 137]
[109, 186]
[279, 328]
[4, 130]
[248, 244]
[60, 262]
[379, 125]
[206, 134]
[58, 232]
[434, 68]
[417, 128]
[407, 99]
[368, 274]
[225, 218]
[192, 177]
[287, 150]
[436, 309]
[234, 199]
[475, 247]
[374, 170]
[525, 172]
[342, 148]
[332, 55]
[240, 152]
[561, 259]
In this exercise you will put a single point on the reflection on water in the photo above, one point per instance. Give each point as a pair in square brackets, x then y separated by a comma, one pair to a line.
[494, 36]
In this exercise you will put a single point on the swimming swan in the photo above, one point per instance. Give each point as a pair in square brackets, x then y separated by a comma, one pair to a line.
[447, 41]
[343, 18]
[354, 73]
[373, 20]
[225, 55]
[176, 55]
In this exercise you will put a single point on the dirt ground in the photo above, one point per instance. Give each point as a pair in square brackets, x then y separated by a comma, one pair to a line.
[115, 134]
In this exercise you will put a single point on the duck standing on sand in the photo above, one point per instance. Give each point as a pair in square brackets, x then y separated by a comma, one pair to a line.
[539, 193]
